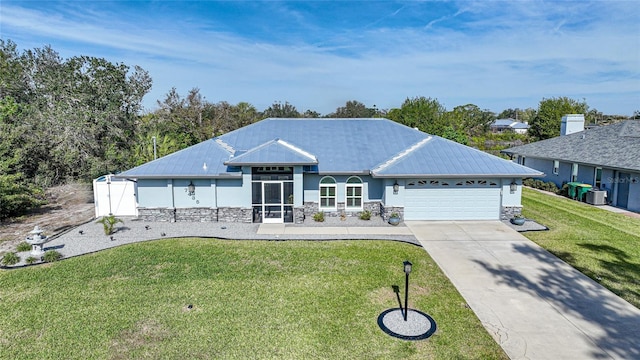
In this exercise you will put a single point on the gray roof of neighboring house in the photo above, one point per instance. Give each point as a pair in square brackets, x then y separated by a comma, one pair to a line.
[614, 146]
[510, 123]
[519, 125]
[378, 146]
[503, 122]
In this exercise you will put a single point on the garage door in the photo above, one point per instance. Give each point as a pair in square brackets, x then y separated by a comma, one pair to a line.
[446, 199]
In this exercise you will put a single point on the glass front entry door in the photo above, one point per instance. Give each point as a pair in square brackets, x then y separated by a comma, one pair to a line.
[272, 200]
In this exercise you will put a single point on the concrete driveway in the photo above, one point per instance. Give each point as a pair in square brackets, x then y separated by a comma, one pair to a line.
[532, 303]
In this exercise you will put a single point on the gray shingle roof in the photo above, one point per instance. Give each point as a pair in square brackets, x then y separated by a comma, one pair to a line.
[615, 146]
[378, 146]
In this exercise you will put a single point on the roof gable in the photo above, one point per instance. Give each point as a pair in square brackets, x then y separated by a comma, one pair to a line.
[444, 158]
[274, 152]
[615, 146]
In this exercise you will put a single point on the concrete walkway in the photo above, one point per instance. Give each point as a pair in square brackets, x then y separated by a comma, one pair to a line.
[532, 303]
[282, 229]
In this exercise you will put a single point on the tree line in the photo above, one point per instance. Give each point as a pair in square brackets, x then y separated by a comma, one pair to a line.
[65, 120]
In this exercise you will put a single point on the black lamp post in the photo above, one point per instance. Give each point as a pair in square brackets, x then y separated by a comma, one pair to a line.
[407, 269]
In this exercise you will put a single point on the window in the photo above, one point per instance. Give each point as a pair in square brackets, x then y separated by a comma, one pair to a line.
[574, 172]
[556, 166]
[354, 193]
[598, 178]
[327, 193]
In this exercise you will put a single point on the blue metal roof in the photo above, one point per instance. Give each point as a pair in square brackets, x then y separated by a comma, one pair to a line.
[201, 160]
[438, 157]
[378, 146]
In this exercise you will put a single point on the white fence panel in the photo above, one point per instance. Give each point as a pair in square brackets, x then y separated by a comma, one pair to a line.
[115, 196]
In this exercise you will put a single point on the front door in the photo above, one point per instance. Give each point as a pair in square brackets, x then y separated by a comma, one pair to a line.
[272, 202]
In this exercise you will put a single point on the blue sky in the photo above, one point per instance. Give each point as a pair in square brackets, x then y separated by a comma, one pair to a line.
[320, 54]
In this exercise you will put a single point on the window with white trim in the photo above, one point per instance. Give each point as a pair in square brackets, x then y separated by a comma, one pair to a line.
[354, 193]
[574, 172]
[556, 166]
[327, 193]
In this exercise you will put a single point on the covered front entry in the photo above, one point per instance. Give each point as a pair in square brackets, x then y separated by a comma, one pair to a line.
[272, 194]
[452, 199]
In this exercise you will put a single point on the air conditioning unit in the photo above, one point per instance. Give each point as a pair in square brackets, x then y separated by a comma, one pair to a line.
[596, 197]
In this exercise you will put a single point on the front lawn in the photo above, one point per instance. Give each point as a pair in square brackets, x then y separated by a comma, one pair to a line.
[249, 299]
[601, 244]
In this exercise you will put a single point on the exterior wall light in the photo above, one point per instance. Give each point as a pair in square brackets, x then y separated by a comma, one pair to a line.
[191, 189]
[396, 188]
[513, 187]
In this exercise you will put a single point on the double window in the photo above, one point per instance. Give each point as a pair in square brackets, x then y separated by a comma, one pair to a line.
[329, 196]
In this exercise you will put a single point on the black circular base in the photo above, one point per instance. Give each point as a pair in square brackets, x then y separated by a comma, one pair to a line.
[418, 326]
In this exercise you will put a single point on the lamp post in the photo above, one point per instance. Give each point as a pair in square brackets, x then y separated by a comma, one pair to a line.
[407, 269]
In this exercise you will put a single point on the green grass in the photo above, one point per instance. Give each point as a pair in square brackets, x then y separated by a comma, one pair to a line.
[251, 299]
[601, 244]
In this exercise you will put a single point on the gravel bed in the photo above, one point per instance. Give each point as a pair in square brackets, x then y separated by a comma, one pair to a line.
[89, 237]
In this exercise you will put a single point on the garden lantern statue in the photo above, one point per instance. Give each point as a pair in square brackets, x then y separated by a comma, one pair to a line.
[37, 240]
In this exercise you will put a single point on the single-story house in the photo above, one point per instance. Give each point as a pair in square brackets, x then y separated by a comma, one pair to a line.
[605, 157]
[283, 170]
[503, 125]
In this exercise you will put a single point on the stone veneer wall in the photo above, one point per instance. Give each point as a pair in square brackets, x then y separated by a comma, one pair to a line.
[298, 215]
[157, 214]
[508, 212]
[310, 208]
[235, 215]
[386, 211]
[195, 214]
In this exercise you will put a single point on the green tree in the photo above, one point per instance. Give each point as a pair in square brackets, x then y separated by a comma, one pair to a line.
[470, 119]
[279, 110]
[311, 114]
[426, 114]
[522, 115]
[546, 123]
[353, 109]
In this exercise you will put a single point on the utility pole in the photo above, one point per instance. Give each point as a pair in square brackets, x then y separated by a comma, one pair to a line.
[154, 148]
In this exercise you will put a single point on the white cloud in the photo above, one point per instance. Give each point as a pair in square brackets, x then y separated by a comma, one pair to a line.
[488, 53]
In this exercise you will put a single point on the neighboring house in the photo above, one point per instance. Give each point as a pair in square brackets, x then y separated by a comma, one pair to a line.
[503, 125]
[606, 157]
[283, 170]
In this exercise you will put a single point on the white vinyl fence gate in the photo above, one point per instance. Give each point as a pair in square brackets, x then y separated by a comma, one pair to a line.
[114, 196]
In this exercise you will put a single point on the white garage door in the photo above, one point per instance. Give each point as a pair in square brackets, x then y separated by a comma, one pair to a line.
[451, 199]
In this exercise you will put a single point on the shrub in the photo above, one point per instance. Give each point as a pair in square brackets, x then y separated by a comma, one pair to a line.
[23, 246]
[564, 191]
[109, 222]
[365, 215]
[31, 260]
[51, 256]
[539, 184]
[319, 216]
[10, 258]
